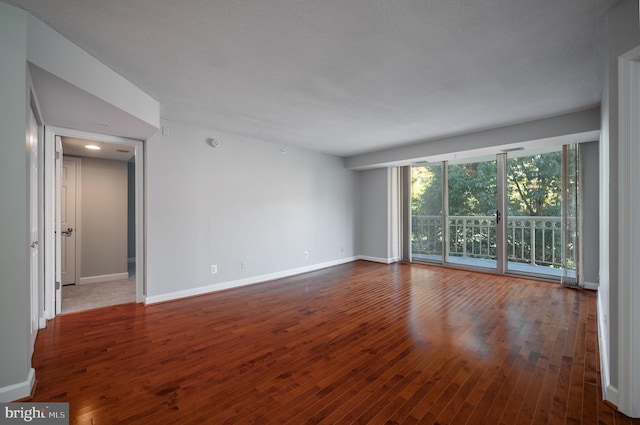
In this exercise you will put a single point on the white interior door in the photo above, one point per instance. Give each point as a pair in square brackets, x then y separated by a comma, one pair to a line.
[32, 139]
[68, 218]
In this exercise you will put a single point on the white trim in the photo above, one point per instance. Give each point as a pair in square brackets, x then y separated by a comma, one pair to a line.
[607, 392]
[78, 206]
[20, 390]
[139, 220]
[77, 253]
[242, 282]
[35, 107]
[57, 217]
[612, 395]
[590, 285]
[103, 278]
[49, 241]
[34, 216]
[628, 233]
[378, 259]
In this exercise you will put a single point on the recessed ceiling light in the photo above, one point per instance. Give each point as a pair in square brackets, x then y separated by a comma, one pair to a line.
[93, 147]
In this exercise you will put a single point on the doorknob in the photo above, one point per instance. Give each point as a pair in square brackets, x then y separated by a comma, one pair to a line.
[34, 244]
[67, 232]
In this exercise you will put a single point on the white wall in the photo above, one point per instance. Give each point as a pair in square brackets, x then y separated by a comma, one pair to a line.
[14, 248]
[244, 201]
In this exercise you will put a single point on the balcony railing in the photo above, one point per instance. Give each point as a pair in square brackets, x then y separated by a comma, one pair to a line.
[537, 241]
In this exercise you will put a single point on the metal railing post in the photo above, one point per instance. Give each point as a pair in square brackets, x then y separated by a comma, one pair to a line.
[464, 237]
[533, 242]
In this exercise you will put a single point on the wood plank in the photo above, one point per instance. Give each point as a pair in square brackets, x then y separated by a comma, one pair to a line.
[352, 344]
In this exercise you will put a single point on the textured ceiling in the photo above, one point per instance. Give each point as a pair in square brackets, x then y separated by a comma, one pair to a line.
[346, 77]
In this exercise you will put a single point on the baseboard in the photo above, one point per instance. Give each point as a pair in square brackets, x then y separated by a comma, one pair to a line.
[242, 282]
[611, 395]
[19, 390]
[378, 259]
[590, 285]
[609, 392]
[103, 278]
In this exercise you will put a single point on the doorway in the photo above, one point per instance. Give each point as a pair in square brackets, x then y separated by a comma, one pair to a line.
[95, 222]
[105, 272]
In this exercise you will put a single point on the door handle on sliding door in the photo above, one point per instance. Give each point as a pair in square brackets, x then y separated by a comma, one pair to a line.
[498, 217]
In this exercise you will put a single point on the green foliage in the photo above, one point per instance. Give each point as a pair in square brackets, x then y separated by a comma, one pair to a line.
[473, 188]
[426, 192]
[535, 185]
[534, 188]
[534, 182]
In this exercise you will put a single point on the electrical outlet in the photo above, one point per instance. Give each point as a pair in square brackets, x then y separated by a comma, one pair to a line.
[214, 268]
[243, 265]
[306, 254]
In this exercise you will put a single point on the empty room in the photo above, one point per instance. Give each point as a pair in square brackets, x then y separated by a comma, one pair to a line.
[332, 212]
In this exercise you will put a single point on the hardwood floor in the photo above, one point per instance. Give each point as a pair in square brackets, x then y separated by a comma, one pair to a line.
[354, 344]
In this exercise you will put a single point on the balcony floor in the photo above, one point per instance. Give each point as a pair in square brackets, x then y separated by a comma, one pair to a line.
[512, 266]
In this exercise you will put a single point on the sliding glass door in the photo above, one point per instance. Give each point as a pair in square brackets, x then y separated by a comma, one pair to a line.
[542, 212]
[516, 212]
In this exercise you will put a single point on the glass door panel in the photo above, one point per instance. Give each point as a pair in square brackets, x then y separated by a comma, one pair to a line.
[427, 234]
[472, 201]
[538, 218]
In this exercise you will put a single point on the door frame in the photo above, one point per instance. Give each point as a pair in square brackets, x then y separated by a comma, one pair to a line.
[36, 261]
[78, 214]
[50, 133]
[33, 107]
[628, 397]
